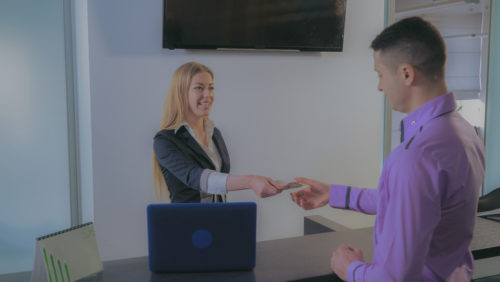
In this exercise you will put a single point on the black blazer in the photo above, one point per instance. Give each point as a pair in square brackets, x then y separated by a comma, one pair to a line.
[182, 161]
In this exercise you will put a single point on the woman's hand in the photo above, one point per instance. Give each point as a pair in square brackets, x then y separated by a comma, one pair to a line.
[264, 186]
[261, 185]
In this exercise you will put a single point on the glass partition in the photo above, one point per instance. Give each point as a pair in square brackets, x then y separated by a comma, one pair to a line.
[34, 181]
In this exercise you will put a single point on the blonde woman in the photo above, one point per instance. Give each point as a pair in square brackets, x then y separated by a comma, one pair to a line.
[190, 157]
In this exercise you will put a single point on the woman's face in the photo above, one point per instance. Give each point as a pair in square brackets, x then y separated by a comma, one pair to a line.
[201, 95]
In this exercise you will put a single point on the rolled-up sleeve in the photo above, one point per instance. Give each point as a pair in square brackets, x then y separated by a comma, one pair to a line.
[352, 269]
[354, 198]
[213, 182]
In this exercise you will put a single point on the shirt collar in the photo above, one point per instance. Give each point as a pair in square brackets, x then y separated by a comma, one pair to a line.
[184, 123]
[432, 109]
[208, 123]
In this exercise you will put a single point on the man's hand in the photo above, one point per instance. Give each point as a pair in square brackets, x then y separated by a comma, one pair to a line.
[314, 196]
[343, 257]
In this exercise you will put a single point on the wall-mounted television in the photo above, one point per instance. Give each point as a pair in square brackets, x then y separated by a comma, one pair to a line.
[305, 25]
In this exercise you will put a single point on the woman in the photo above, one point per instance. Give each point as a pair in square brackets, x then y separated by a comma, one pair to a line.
[190, 157]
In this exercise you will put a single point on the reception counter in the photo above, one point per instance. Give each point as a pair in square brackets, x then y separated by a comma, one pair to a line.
[304, 258]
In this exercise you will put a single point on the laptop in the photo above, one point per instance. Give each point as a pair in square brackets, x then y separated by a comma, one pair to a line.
[193, 237]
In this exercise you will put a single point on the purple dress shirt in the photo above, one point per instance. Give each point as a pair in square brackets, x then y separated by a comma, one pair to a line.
[425, 202]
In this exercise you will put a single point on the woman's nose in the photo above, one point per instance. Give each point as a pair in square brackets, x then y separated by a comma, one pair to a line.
[206, 93]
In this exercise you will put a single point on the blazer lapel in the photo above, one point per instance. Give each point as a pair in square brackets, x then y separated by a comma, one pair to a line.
[193, 145]
[221, 148]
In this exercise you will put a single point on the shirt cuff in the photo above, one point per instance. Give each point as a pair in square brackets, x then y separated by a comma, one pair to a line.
[353, 269]
[213, 182]
[340, 196]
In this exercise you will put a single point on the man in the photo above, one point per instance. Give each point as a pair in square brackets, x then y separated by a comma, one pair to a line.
[427, 196]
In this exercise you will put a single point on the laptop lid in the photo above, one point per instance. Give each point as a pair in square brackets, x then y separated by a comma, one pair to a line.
[201, 236]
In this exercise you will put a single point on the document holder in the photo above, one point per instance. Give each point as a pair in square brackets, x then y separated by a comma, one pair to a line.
[67, 255]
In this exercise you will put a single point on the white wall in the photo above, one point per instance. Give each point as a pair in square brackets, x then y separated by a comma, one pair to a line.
[282, 115]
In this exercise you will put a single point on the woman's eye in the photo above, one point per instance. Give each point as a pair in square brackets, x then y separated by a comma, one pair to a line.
[198, 88]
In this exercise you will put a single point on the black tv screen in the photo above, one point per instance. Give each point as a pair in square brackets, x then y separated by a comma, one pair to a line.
[305, 25]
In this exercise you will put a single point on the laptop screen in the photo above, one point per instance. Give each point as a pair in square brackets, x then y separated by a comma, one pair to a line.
[201, 236]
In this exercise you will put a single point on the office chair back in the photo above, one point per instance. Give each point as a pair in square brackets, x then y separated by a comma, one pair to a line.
[489, 201]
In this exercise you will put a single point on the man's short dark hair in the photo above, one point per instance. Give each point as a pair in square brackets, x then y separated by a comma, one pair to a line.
[416, 42]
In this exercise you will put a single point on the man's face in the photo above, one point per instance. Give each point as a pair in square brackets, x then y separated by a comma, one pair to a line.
[390, 83]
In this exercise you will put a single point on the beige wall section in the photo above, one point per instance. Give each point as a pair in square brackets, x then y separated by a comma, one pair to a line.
[282, 115]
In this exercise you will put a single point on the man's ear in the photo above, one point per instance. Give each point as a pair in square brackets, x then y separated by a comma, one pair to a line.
[406, 73]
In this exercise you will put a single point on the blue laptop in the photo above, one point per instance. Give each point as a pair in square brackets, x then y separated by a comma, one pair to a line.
[201, 236]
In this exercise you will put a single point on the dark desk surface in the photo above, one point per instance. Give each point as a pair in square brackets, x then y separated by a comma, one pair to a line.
[277, 260]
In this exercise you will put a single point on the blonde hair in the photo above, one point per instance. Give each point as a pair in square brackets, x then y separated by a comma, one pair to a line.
[174, 110]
